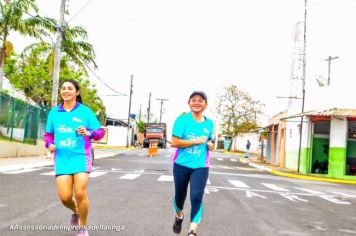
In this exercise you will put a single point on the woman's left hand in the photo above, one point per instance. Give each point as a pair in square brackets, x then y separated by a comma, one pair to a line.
[210, 146]
[82, 130]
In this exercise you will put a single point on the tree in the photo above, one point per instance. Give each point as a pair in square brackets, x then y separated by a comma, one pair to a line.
[76, 51]
[29, 73]
[239, 112]
[141, 126]
[13, 19]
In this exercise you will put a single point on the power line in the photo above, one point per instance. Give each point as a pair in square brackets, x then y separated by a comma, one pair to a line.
[41, 19]
[27, 13]
[80, 10]
[96, 76]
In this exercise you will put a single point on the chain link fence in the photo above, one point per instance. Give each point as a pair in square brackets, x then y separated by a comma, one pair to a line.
[20, 121]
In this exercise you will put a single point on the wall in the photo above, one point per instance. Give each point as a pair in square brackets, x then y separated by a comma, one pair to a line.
[292, 143]
[14, 149]
[117, 136]
[239, 142]
[17, 133]
[337, 152]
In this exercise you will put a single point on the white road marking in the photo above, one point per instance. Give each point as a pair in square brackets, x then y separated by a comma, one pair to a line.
[343, 194]
[139, 171]
[329, 198]
[275, 187]
[25, 166]
[209, 190]
[260, 167]
[239, 184]
[233, 160]
[165, 178]
[21, 171]
[220, 159]
[347, 231]
[49, 173]
[310, 191]
[292, 197]
[208, 182]
[334, 200]
[97, 173]
[130, 176]
[251, 194]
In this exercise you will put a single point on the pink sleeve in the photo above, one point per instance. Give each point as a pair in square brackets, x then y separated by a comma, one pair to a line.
[97, 134]
[49, 139]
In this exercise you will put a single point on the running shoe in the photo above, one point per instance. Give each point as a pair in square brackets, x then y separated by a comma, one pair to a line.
[74, 221]
[177, 226]
[192, 233]
[83, 232]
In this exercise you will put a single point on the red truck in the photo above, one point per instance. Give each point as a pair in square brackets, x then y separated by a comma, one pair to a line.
[155, 132]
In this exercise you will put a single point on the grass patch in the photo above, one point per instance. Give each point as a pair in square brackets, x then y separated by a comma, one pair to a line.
[27, 140]
[4, 138]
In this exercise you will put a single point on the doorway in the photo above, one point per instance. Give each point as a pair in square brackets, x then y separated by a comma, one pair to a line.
[351, 149]
[320, 148]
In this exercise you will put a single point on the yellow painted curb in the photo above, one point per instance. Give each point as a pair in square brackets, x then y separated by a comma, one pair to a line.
[233, 153]
[344, 181]
[296, 176]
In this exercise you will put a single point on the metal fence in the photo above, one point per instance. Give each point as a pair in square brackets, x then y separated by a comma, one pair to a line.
[20, 121]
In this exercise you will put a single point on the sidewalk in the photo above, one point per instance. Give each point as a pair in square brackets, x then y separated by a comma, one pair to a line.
[19, 163]
[255, 162]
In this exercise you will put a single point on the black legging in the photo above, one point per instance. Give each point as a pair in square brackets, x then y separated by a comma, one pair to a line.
[197, 178]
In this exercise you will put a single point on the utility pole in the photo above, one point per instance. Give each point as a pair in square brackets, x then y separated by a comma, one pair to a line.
[139, 113]
[160, 114]
[329, 59]
[128, 117]
[304, 77]
[57, 55]
[149, 109]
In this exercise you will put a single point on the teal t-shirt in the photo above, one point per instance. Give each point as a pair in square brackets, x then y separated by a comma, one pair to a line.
[72, 153]
[187, 128]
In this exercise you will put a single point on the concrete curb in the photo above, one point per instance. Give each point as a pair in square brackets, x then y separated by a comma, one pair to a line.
[297, 176]
[104, 156]
[25, 166]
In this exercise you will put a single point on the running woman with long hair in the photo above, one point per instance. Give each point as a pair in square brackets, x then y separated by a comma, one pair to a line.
[69, 128]
[192, 136]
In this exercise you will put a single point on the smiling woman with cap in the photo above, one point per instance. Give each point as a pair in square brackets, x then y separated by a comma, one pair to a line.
[192, 136]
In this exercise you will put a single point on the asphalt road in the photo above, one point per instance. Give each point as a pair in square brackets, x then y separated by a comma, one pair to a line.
[132, 194]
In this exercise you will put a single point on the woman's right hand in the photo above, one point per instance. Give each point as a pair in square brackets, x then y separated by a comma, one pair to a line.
[52, 148]
[200, 140]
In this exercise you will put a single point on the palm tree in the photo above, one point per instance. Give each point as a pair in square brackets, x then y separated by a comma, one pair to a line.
[12, 19]
[75, 51]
